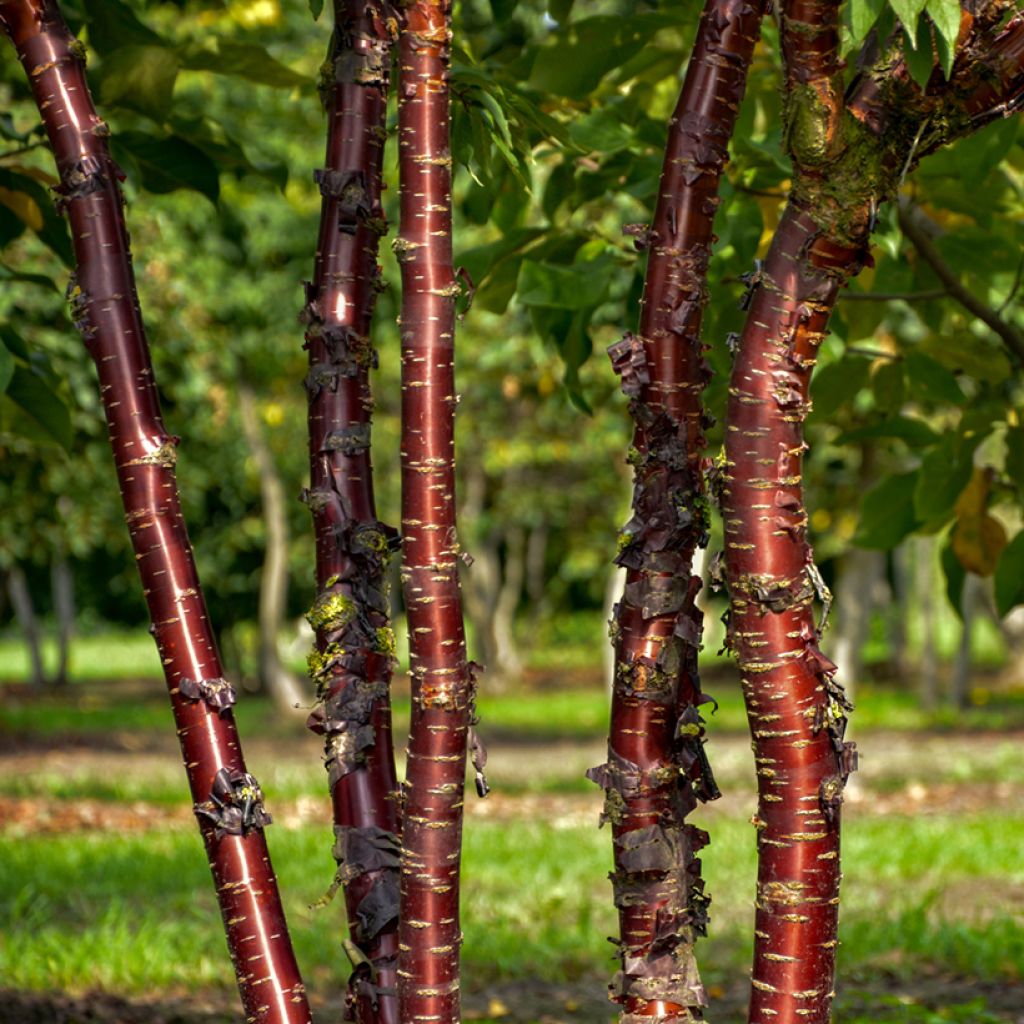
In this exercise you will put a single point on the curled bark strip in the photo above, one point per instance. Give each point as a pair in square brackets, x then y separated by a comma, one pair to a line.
[442, 678]
[235, 806]
[656, 770]
[106, 309]
[353, 655]
[218, 693]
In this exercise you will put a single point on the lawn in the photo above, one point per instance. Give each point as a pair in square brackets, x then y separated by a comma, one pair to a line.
[107, 907]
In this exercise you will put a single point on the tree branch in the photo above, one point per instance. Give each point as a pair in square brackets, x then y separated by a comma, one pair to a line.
[915, 224]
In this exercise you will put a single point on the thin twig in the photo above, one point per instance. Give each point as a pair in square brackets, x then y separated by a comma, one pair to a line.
[912, 221]
[932, 293]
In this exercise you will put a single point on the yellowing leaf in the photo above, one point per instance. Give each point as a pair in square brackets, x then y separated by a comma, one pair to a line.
[24, 207]
[978, 538]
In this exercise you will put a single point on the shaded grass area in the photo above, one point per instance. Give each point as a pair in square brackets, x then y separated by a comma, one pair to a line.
[134, 913]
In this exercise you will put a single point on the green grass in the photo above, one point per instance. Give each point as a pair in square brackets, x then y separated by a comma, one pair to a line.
[136, 912]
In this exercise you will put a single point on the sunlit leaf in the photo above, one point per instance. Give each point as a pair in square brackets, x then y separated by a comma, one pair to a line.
[34, 396]
[142, 78]
[887, 513]
[978, 538]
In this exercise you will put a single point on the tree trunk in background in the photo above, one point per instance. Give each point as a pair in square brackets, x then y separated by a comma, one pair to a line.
[62, 585]
[899, 609]
[104, 306]
[536, 573]
[274, 678]
[859, 577]
[28, 623]
[960, 677]
[925, 583]
[507, 659]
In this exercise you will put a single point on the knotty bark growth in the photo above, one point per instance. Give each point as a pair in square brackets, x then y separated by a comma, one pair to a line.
[353, 656]
[656, 769]
[105, 308]
[442, 679]
[849, 158]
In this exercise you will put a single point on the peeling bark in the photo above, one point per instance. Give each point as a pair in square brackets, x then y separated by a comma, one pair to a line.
[849, 157]
[656, 770]
[353, 656]
[228, 801]
[442, 680]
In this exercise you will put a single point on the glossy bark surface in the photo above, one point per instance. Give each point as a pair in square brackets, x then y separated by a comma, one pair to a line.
[656, 770]
[354, 653]
[106, 310]
[442, 685]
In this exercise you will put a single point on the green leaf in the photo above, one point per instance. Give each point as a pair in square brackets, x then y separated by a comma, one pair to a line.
[919, 53]
[563, 287]
[945, 472]
[1009, 576]
[1014, 466]
[928, 380]
[955, 575]
[977, 157]
[141, 78]
[30, 392]
[888, 385]
[887, 513]
[316, 8]
[863, 15]
[113, 25]
[168, 164]
[576, 348]
[914, 432]
[945, 15]
[908, 12]
[601, 131]
[10, 274]
[51, 228]
[241, 60]
[6, 368]
[836, 383]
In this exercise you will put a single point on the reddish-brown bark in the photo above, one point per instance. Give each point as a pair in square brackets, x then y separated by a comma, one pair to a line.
[656, 770]
[796, 711]
[442, 679]
[353, 657]
[848, 160]
[106, 310]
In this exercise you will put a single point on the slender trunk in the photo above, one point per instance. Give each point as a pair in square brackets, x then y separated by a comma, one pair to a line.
[859, 574]
[536, 571]
[353, 656]
[796, 711]
[928, 685]
[62, 585]
[899, 604]
[228, 801]
[442, 679]
[274, 677]
[960, 678]
[656, 769]
[28, 622]
[506, 651]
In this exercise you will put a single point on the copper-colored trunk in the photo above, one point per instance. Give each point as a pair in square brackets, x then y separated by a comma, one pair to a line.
[656, 770]
[106, 310]
[796, 711]
[353, 662]
[429, 931]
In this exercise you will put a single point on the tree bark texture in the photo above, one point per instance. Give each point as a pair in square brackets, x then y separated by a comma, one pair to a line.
[228, 801]
[28, 621]
[353, 656]
[656, 769]
[442, 680]
[849, 157]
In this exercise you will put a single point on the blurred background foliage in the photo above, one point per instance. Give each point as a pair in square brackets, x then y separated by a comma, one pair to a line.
[915, 475]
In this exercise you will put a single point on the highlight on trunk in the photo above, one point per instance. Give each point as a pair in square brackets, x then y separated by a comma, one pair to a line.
[353, 656]
[657, 769]
[104, 306]
[848, 158]
[442, 679]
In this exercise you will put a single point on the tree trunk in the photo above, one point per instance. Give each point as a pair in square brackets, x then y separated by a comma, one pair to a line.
[442, 678]
[928, 680]
[105, 309]
[25, 612]
[274, 677]
[62, 585]
[859, 575]
[656, 769]
[354, 653]
[536, 573]
[960, 678]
